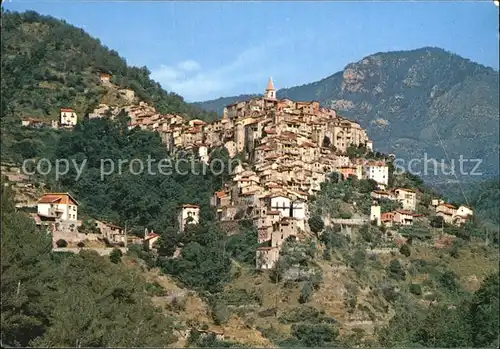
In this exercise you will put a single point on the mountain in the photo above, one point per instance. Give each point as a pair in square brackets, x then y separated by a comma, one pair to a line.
[48, 64]
[423, 101]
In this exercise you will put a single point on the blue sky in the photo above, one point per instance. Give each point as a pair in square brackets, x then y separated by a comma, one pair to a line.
[205, 50]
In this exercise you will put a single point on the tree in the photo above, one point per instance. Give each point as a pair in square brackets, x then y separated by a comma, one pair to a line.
[43, 290]
[405, 250]
[366, 185]
[116, 256]
[483, 313]
[168, 242]
[306, 293]
[395, 270]
[61, 243]
[436, 221]
[316, 335]
[316, 224]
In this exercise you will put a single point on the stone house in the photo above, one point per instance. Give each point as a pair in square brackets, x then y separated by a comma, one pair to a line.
[112, 232]
[104, 77]
[447, 211]
[407, 198]
[266, 257]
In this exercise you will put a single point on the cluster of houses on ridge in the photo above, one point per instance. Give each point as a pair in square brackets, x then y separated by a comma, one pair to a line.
[289, 147]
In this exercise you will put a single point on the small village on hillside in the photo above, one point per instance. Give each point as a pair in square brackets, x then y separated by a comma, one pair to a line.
[289, 149]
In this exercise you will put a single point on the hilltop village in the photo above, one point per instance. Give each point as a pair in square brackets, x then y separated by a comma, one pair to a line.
[289, 148]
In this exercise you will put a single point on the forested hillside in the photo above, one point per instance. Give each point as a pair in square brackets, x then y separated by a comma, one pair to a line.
[139, 200]
[436, 289]
[424, 101]
[48, 64]
[59, 300]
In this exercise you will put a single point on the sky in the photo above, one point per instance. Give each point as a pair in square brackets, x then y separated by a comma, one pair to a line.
[206, 50]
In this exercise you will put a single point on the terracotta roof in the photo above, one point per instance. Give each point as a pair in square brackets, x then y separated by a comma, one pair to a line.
[376, 163]
[199, 122]
[61, 198]
[151, 236]
[220, 194]
[66, 109]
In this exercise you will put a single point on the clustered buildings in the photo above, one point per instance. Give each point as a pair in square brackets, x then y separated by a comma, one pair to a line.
[289, 149]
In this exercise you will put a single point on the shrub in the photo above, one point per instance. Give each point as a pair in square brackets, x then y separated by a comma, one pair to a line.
[220, 314]
[302, 313]
[61, 243]
[416, 289]
[306, 293]
[267, 312]
[389, 293]
[116, 256]
[316, 224]
[177, 304]
[81, 244]
[396, 271]
[447, 280]
[405, 250]
[315, 335]
[316, 280]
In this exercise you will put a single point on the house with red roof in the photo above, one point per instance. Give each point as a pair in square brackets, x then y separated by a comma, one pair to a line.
[58, 206]
[150, 238]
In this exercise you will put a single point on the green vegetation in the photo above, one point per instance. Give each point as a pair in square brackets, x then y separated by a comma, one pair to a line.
[65, 300]
[59, 68]
[42, 291]
[127, 198]
[473, 323]
[48, 64]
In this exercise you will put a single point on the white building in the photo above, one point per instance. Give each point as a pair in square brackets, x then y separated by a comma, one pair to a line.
[280, 203]
[369, 145]
[61, 206]
[68, 117]
[299, 210]
[375, 214]
[190, 214]
[464, 211]
[378, 171]
[203, 154]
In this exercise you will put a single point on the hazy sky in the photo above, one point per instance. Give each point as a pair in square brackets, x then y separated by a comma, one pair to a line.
[205, 50]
